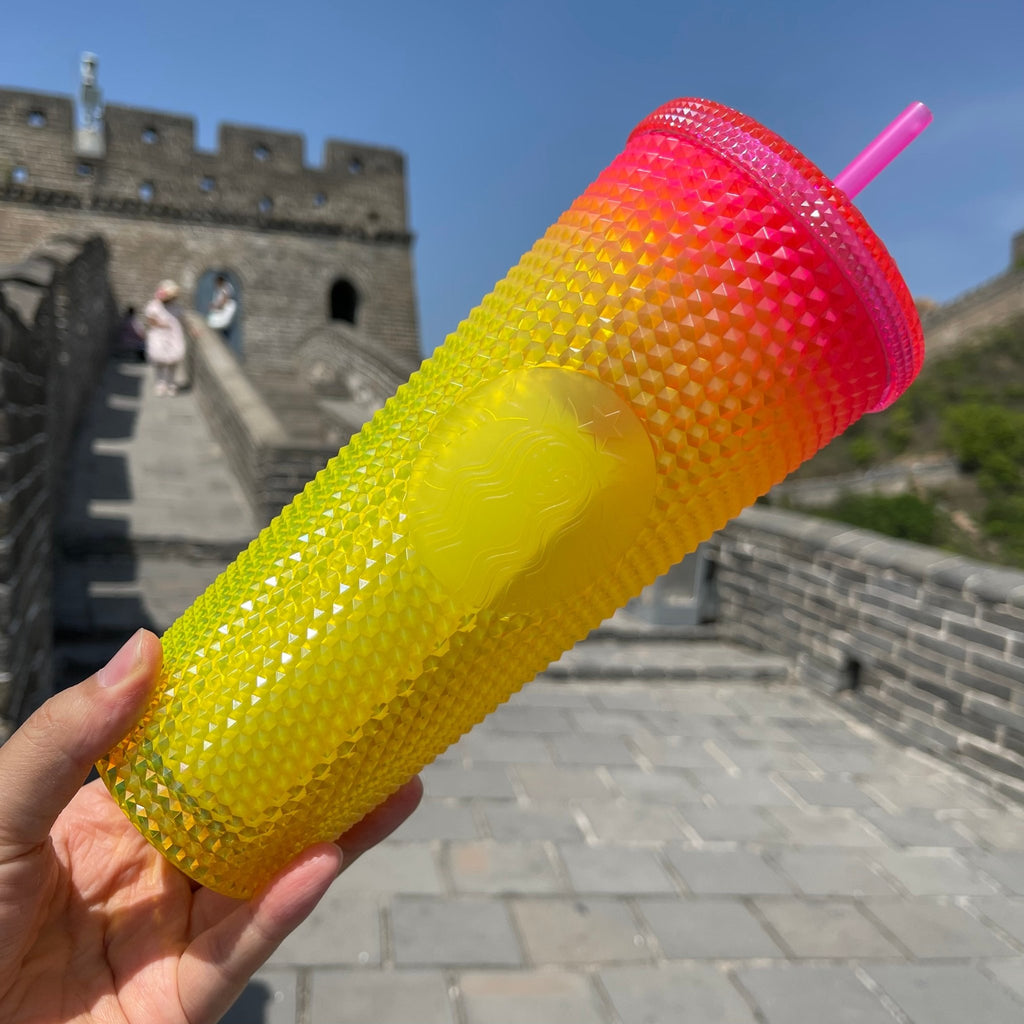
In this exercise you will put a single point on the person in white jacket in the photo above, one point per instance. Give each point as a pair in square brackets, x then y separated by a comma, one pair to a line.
[165, 336]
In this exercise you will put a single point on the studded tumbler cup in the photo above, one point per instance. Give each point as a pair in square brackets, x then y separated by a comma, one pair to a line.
[706, 316]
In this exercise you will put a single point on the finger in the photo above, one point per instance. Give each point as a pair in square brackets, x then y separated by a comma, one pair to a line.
[46, 761]
[218, 964]
[381, 821]
[210, 906]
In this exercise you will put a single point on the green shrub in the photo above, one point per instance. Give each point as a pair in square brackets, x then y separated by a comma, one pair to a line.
[905, 516]
[985, 437]
[863, 451]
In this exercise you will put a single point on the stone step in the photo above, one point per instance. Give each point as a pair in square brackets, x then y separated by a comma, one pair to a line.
[669, 659]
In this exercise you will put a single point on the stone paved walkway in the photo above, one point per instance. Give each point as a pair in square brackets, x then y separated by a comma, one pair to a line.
[656, 832]
[672, 853]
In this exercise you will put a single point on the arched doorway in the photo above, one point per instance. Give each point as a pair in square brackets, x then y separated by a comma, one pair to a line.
[343, 303]
[205, 288]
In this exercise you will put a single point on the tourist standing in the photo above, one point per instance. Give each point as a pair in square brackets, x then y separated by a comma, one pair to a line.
[165, 336]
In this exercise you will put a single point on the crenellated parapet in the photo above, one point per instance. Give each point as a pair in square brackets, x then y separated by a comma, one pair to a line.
[151, 168]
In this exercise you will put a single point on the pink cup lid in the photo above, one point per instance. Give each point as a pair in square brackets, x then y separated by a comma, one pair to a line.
[826, 211]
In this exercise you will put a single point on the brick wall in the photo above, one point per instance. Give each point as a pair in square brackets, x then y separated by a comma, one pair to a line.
[57, 319]
[926, 645]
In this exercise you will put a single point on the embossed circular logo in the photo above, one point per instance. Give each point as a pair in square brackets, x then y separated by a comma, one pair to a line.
[530, 488]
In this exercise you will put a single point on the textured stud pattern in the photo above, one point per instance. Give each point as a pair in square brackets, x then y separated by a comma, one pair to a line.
[699, 322]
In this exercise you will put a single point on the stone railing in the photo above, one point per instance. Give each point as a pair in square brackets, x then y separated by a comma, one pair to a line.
[926, 645]
[271, 467]
[57, 320]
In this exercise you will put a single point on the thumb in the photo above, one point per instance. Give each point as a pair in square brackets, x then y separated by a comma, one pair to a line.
[45, 762]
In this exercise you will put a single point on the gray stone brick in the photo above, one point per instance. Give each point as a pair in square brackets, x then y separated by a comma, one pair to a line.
[972, 633]
[342, 930]
[707, 929]
[579, 931]
[732, 824]
[824, 828]
[1010, 974]
[830, 792]
[640, 822]
[906, 792]
[529, 997]
[488, 746]
[535, 721]
[658, 787]
[672, 994]
[1006, 913]
[511, 822]
[826, 928]
[950, 994]
[1005, 762]
[727, 872]
[812, 995]
[629, 697]
[761, 733]
[675, 752]
[931, 929]
[975, 678]
[754, 757]
[492, 782]
[437, 819]
[835, 734]
[932, 873]
[379, 997]
[542, 693]
[1006, 668]
[916, 828]
[270, 998]
[614, 869]
[747, 790]
[687, 724]
[1005, 866]
[603, 722]
[392, 867]
[465, 932]
[489, 867]
[1003, 830]
[591, 750]
[832, 873]
[556, 783]
[999, 711]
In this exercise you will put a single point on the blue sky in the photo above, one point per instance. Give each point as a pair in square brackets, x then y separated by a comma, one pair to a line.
[506, 112]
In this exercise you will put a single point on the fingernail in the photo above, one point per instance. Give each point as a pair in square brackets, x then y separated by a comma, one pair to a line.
[120, 666]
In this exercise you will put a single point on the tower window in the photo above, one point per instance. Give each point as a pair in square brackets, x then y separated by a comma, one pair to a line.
[261, 153]
[344, 300]
[150, 136]
[36, 119]
[19, 174]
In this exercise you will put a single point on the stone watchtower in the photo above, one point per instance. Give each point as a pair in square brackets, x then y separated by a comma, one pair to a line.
[319, 257]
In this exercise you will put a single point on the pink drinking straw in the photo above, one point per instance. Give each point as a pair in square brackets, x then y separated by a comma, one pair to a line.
[884, 149]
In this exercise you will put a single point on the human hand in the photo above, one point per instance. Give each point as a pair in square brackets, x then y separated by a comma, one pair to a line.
[96, 927]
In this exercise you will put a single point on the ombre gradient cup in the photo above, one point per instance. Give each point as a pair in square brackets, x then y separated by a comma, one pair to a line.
[705, 317]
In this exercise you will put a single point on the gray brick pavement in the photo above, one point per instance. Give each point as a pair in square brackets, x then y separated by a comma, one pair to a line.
[612, 893]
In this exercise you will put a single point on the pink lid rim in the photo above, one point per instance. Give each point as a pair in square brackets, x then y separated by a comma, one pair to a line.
[715, 127]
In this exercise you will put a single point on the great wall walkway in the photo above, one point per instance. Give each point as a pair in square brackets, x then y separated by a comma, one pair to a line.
[662, 830]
